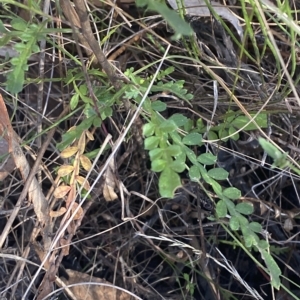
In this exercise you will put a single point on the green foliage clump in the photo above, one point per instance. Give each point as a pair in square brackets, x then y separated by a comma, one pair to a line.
[28, 36]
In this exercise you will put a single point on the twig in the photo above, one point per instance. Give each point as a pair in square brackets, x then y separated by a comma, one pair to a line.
[25, 190]
[89, 36]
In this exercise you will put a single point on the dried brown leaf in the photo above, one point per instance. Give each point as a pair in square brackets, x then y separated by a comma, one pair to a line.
[81, 181]
[79, 213]
[82, 143]
[85, 162]
[76, 166]
[89, 135]
[109, 193]
[110, 183]
[61, 191]
[71, 196]
[57, 213]
[65, 170]
[6, 130]
[7, 165]
[68, 152]
[65, 246]
[83, 290]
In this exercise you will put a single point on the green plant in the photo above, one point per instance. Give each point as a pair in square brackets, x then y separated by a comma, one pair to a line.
[174, 20]
[169, 143]
[93, 116]
[232, 123]
[27, 36]
[189, 285]
[173, 142]
[170, 154]
[280, 158]
[70, 173]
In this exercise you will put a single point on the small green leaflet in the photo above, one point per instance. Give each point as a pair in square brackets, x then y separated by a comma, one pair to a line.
[218, 174]
[273, 268]
[192, 139]
[168, 182]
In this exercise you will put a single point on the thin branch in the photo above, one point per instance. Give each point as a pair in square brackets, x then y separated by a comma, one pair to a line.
[89, 36]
